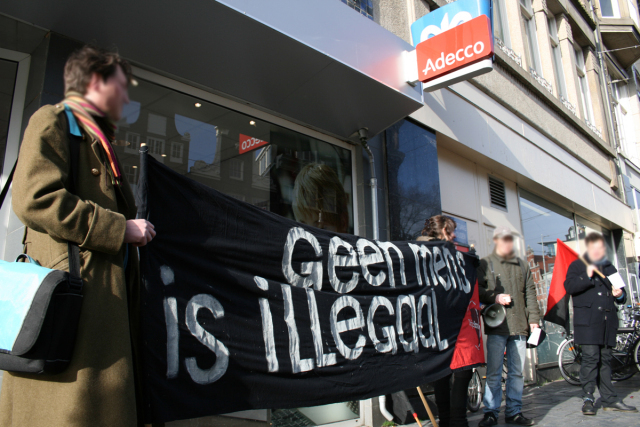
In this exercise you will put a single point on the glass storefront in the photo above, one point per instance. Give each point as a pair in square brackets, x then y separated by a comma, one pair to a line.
[280, 170]
[8, 71]
[413, 179]
[542, 224]
[285, 172]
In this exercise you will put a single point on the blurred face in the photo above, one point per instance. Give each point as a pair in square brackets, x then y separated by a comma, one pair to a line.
[504, 245]
[448, 236]
[596, 251]
[109, 95]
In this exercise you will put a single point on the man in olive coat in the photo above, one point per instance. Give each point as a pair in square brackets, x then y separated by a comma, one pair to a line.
[97, 389]
[595, 323]
[505, 279]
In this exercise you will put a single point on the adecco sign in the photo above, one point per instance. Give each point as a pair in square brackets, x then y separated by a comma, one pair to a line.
[248, 143]
[465, 44]
[453, 43]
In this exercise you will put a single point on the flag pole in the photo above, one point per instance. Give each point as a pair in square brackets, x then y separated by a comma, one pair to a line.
[426, 406]
[596, 270]
[143, 183]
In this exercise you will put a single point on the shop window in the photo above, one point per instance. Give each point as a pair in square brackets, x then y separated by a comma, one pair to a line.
[542, 224]
[413, 179]
[294, 175]
[364, 7]
[8, 71]
[497, 193]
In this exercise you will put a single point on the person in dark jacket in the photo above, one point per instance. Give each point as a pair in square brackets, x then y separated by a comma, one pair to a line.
[595, 323]
[450, 391]
[505, 279]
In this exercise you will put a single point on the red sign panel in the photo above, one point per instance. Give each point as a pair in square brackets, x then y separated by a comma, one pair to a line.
[454, 49]
[248, 143]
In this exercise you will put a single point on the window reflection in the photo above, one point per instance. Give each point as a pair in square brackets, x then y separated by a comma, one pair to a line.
[542, 224]
[277, 169]
[413, 179]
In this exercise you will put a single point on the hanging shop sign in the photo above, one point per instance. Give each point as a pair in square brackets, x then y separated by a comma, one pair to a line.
[453, 43]
[249, 143]
[245, 309]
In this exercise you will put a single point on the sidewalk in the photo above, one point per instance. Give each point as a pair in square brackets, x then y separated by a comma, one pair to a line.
[558, 404]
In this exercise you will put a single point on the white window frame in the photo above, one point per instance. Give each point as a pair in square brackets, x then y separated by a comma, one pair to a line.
[500, 18]
[531, 37]
[614, 5]
[556, 57]
[152, 149]
[180, 145]
[585, 93]
[233, 162]
[133, 146]
[131, 170]
[187, 89]
[13, 144]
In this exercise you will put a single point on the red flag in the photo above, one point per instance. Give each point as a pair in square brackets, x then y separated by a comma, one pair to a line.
[469, 351]
[558, 301]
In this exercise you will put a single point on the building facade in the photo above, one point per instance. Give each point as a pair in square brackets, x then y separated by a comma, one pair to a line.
[547, 143]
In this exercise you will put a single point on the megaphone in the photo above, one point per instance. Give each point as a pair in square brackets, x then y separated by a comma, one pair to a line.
[494, 315]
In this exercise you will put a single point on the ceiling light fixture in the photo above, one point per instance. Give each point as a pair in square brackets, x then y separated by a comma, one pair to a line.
[252, 123]
[163, 155]
[135, 167]
[198, 105]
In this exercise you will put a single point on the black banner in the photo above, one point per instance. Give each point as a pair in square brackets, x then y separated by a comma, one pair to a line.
[244, 309]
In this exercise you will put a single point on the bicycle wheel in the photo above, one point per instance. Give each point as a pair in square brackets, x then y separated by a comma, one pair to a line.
[569, 361]
[474, 393]
[636, 354]
[622, 367]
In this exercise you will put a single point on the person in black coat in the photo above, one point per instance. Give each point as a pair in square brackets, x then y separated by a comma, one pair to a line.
[595, 323]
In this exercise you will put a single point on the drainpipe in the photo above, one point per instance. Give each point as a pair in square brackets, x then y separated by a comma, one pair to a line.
[362, 134]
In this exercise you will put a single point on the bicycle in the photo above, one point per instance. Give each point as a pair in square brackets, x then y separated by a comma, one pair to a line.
[626, 354]
[474, 392]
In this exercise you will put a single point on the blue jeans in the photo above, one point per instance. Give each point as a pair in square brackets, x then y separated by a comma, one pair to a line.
[516, 346]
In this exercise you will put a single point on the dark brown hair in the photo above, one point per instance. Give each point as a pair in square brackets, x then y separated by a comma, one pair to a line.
[594, 237]
[88, 60]
[434, 225]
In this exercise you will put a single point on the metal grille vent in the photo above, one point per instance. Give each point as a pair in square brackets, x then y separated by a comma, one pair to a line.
[497, 193]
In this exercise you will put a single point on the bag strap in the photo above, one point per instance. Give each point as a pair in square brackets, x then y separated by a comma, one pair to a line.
[75, 136]
[5, 189]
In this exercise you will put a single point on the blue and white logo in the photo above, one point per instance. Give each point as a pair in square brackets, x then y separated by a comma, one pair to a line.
[447, 17]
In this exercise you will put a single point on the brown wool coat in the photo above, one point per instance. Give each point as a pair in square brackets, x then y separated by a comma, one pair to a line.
[98, 387]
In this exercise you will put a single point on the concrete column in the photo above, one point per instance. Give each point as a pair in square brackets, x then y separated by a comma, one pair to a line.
[565, 36]
[595, 84]
[544, 45]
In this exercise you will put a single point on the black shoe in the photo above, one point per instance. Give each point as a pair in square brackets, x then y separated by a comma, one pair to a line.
[519, 420]
[587, 407]
[489, 420]
[619, 406]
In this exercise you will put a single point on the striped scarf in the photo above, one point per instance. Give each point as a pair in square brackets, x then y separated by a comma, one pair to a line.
[84, 112]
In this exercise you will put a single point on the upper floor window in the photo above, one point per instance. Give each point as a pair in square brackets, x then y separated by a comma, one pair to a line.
[530, 38]
[365, 7]
[236, 169]
[609, 8]
[500, 24]
[581, 70]
[556, 57]
[156, 145]
[177, 149]
[133, 140]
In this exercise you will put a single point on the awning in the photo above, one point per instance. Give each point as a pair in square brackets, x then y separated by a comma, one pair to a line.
[318, 63]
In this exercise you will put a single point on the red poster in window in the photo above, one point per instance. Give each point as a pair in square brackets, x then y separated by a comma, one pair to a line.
[248, 143]
[454, 49]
